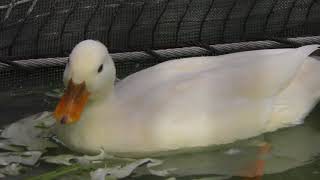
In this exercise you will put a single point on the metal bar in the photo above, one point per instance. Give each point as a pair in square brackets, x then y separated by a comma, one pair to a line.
[175, 53]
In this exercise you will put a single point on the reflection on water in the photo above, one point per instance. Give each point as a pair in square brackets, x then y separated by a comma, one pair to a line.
[293, 155]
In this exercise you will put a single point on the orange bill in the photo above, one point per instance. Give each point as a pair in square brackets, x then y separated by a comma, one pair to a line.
[72, 103]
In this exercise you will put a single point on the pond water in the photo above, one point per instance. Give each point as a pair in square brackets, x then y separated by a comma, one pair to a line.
[294, 152]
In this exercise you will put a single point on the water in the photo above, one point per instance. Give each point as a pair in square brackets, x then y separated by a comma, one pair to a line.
[294, 155]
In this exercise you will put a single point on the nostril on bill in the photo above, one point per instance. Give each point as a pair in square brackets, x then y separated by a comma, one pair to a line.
[64, 120]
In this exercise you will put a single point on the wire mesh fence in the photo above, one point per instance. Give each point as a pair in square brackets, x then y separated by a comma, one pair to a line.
[50, 28]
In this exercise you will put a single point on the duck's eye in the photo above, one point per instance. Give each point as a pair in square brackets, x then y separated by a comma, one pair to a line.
[100, 68]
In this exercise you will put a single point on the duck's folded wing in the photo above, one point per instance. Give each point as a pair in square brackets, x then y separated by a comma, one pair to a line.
[263, 76]
[245, 87]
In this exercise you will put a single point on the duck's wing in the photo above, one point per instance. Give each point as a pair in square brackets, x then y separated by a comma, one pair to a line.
[168, 70]
[260, 76]
[252, 73]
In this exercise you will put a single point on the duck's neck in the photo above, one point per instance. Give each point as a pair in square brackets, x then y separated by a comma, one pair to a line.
[103, 96]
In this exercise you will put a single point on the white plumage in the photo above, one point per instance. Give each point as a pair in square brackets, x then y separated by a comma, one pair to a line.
[189, 102]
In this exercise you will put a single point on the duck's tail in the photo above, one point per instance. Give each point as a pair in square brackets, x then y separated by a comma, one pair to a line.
[305, 51]
[295, 102]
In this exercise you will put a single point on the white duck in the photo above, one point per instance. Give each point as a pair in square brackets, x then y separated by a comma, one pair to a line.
[183, 103]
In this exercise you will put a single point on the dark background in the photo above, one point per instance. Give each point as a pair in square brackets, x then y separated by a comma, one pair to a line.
[50, 28]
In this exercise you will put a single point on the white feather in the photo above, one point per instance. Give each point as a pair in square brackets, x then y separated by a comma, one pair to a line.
[195, 101]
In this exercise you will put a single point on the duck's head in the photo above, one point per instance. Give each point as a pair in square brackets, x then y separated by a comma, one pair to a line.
[89, 76]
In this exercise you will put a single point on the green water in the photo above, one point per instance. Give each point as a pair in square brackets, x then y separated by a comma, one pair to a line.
[295, 153]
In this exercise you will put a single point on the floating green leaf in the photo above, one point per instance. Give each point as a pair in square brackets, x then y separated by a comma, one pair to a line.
[12, 170]
[69, 159]
[28, 158]
[121, 172]
[31, 132]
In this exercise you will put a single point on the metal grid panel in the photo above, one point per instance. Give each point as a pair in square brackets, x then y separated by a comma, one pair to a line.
[50, 28]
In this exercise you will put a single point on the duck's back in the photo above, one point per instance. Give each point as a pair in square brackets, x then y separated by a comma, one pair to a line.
[209, 100]
[181, 68]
